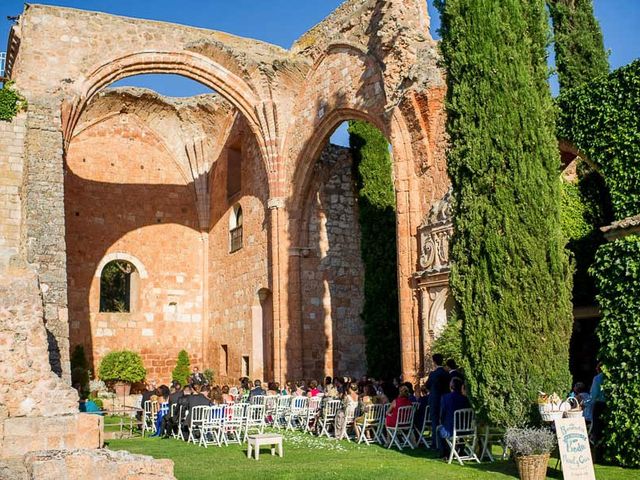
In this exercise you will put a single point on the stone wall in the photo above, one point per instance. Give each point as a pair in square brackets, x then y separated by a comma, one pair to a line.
[125, 197]
[235, 278]
[11, 169]
[332, 272]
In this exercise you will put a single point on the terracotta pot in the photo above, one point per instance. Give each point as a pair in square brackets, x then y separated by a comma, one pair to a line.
[533, 467]
[122, 389]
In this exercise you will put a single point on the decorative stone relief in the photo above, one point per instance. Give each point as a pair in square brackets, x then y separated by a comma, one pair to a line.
[435, 234]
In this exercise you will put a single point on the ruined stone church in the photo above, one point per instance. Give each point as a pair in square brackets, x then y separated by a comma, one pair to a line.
[231, 218]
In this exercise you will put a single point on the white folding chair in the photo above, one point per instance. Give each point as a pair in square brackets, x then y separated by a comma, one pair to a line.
[328, 417]
[425, 426]
[255, 420]
[465, 435]
[149, 416]
[297, 412]
[283, 406]
[270, 403]
[257, 400]
[234, 423]
[492, 436]
[196, 420]
[371, 424]
[212, 426]
[400, 433]
[311, 415]
[350, 414]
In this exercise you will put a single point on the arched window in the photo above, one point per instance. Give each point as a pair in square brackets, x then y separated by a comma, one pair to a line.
[235, 229]
[118, 287]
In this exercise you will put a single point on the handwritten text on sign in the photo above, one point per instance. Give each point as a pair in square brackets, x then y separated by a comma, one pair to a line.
[575, 452]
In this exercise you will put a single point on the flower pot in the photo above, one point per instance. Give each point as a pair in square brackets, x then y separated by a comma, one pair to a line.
[533, 467]
[122, 389]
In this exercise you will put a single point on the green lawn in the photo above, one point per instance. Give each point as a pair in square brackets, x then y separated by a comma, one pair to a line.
[309, 457]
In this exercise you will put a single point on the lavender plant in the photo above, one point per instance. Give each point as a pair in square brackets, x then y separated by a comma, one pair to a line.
[529, 441]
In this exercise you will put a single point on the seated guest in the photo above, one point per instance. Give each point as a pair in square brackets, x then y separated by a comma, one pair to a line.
[257, 389]
[329, 388]
[163, 410]
[453, 370]
[149, 391]
[89, 406]
[196, 399]
[313, 390]
[450, 403]
[226, 394]
[215, 395]
[272, 390]
[401, 401]
[423, 401]
[351, 395]
[412, 395]
[300, 390]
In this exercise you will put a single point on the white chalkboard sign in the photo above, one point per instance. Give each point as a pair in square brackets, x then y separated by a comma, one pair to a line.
[575, 452]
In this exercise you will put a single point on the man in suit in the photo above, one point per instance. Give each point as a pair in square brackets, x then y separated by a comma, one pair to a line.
[450, 403]
[453, 369]
[257, 390]
[437, 383]
[171, 422]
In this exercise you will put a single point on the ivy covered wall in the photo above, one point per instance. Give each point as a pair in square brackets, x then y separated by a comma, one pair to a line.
[377, 218]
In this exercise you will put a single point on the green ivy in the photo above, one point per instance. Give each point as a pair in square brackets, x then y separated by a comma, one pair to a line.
[617, 273]
[602, 119]
[510, 271]
[182, 371]
[11, 102]
[449, 342]
[122, 366]
[574, 212]
[377, 218]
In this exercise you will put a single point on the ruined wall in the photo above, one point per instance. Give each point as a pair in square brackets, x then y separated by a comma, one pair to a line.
[236, 278]
[124, 194]
[332, 272]
[11, 169]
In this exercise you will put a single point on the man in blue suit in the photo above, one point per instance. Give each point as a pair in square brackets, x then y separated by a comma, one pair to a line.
[450, 403]
[438, 385]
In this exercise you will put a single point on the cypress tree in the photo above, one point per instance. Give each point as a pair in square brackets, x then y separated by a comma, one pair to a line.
[182, 371]
[510, 276]
[578, 42]
[377, 219]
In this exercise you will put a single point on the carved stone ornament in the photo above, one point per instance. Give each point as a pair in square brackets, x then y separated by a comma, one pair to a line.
[435, 235]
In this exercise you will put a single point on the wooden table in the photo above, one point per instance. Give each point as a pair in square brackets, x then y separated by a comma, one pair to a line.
[271, 439]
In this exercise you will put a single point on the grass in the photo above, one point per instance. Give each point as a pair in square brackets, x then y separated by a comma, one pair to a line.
[309, 457]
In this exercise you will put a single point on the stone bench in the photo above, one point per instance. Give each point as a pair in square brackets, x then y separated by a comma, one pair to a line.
[271, 439]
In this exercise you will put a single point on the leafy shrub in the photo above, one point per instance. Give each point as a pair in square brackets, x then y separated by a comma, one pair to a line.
[182, 371]
[79, 370]
[617, 273]
[122, 366]
[449, 343]
[11, 102]
[529, 441]
[208, 375]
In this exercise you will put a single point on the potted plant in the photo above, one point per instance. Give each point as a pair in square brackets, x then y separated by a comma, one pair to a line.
[123, 368]
[531, 448]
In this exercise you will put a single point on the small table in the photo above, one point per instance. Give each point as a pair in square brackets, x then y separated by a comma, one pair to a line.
[256, 441]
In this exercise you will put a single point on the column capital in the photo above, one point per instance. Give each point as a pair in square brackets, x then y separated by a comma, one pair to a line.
[275, 202]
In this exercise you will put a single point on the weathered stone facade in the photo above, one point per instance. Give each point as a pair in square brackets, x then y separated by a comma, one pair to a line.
[127, 174]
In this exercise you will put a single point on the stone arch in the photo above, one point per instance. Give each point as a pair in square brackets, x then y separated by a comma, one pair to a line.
[142, 271]
[185, 63]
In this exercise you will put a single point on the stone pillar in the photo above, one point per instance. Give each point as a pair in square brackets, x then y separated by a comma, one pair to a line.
[286, 328]
[43, 228]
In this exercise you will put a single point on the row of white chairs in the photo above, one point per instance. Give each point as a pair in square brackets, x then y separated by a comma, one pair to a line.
[234, 422]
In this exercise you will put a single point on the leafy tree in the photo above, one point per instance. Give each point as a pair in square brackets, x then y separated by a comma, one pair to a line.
[11, 102]
[122, 366]
[510, 272]
[377, 218]
[182, 371]
[578, 42]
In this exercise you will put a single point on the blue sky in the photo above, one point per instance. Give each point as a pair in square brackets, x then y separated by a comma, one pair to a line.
[282, 21]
